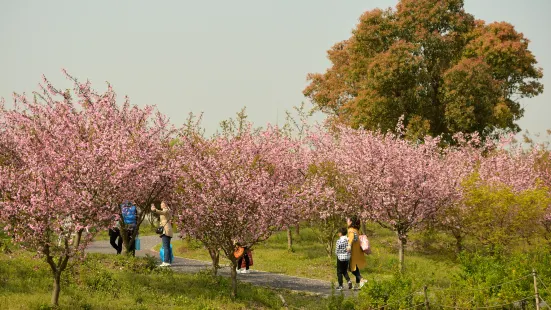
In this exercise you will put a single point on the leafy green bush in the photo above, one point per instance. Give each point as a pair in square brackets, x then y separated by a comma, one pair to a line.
[400, 290]
[489, 280]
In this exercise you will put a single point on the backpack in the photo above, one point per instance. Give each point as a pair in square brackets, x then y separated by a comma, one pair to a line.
[129, 214]
[364, 244]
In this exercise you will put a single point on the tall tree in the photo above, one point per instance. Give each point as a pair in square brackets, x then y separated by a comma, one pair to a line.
[432, 62]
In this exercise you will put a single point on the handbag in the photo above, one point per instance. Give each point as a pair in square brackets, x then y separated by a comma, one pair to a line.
[160, 229]
[239, 252]
[364, 244]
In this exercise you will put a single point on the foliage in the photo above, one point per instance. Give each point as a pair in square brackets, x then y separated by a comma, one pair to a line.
[432, 62]
[496, 187]
[396, 292]
[497, 216]
[489, 280]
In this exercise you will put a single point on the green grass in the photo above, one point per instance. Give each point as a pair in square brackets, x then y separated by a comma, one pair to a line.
[452, 280]
[433, 258]
[117, 282]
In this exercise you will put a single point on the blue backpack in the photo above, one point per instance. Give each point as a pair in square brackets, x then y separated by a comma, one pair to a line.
[129, 214]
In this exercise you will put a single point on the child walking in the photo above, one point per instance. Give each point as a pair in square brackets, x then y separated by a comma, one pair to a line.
[343, 256]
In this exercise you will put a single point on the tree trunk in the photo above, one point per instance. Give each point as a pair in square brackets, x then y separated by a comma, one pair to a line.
[57, 269]
[57, 288]
[234, 279]
[127, 241]
[458, 242]
[297, 229]
[363, 227]
[402, 240]
[215, 256]
[289, 240]
[124, 236]
[329, 247]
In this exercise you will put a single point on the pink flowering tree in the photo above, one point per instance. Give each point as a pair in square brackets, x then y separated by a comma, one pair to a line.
[53, 184]
[67, 163]
[143, 153]
[326, 191]
[390, 180]
[462, 158]
[236, 188]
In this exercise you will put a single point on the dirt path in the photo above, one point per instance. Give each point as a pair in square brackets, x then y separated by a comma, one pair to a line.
[256, 277]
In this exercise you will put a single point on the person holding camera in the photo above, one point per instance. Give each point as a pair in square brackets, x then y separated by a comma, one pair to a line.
[165, 229]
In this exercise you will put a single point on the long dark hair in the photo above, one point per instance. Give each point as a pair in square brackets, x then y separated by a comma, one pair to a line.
[355, 222]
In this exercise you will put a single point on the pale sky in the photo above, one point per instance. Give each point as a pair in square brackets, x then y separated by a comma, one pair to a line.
[213, 56]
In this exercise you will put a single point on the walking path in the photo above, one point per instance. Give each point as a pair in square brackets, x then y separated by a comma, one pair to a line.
[274, 280]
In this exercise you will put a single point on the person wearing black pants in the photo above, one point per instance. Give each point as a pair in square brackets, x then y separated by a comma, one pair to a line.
[343, 258]
[115, 239]
[245, 256]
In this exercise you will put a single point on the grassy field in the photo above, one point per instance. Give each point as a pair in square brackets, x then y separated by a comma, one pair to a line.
[310, 260]
[116, 282]
[476, 278]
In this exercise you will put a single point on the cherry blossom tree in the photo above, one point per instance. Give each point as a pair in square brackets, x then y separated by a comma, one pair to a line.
[325, 192]
[66, 164]
[53, 186]
[511, 165]
[390, 180]
[236, 188]
[461, 158]
[145, 152]
[142, 151]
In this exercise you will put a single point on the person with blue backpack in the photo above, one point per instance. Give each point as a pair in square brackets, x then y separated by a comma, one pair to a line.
[165, 230]
[130, 215]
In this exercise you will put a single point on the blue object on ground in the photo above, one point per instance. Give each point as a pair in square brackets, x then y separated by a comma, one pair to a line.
[162, 254]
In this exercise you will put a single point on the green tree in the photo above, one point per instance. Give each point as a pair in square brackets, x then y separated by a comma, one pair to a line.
[432, 62]
[496, 215]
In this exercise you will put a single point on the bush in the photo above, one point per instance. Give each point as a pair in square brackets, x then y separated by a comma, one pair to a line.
[489, 280]
[401, 290]
[498, 216]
